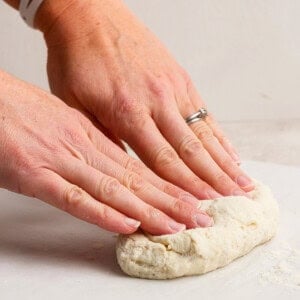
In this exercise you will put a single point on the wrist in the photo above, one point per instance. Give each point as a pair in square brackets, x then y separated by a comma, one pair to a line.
[49, 12]
[61, 21]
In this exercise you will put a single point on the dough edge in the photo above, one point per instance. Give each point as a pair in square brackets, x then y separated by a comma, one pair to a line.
[240, 225]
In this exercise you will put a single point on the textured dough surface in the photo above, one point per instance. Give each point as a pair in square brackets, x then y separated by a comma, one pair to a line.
[240, 224]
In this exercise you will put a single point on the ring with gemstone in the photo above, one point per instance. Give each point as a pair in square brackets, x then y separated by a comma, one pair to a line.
[197, 116]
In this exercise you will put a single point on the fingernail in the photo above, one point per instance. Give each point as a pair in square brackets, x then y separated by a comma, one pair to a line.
[238, 193]
[204, 220]
[213, 194]
[189, 199]
[176, 226]
[243, 181]
[132, 222]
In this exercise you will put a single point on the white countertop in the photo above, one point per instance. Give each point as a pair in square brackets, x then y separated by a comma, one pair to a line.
[47, 254]
[268, 141]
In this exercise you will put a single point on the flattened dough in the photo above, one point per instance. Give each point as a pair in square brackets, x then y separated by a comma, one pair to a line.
[240, 225]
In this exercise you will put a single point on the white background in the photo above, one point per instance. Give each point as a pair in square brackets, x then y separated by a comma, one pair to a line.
[244, 56]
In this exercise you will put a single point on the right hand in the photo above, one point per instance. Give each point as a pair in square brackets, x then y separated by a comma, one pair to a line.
[53, 152]
[103, 59]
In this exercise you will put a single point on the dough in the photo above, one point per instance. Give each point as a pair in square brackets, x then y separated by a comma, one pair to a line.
[240, 224]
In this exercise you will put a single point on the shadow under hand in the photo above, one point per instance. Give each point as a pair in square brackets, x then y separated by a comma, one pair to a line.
[37, 234]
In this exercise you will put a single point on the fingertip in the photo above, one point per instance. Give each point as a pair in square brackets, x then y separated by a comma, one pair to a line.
[132, 223]
[244, 181]
[128, 226]
[212, 194]
[202, 219]
[249, 188]
[171, 227]
[176, 227]
[239, 193]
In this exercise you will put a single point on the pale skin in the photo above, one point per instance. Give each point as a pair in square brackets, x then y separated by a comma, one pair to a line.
[121, 81]
[53, 152]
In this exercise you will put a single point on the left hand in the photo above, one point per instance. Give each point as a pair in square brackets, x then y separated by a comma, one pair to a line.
[103, 60]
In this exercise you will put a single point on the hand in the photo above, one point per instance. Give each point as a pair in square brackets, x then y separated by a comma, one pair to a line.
[103, 60]
[53, 152]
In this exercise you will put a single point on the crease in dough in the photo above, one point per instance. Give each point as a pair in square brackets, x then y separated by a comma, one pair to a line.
[240, 224]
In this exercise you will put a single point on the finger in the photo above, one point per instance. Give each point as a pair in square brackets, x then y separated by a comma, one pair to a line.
[220, 156]
[182, 211]
[139, 168]
[157, 153]
[223, 140]
[133, 165]
[210, 142]
[193, 153]
[110, 191]
[60, 193]
[218, 133]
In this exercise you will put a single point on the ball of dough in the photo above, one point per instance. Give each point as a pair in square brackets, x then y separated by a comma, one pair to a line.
[240, 224]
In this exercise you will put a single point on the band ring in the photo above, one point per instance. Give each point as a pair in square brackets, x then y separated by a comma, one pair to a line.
[197, 116]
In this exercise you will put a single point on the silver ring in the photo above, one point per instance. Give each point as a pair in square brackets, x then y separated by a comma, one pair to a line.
[197, 116]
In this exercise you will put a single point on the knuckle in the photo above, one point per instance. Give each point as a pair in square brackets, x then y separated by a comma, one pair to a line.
[133, 181]
[133, 123]
[171, 189]
[23, 167]
[72, 198]
[152, 213]
[135, 166]
[196, 182]
[104, 216]
[22, 164]
[25, 170]
[109, 187]
[140, 121]
[203, 132]
[223, 139]
[190, 147]
[165, 156]
[129, 112]
[126, 104]
[227, 162]
[160, 89]
[24, 183]
[222, 179]
[179, 206]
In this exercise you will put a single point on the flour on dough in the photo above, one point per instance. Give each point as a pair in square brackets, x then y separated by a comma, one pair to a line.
[240, 224]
